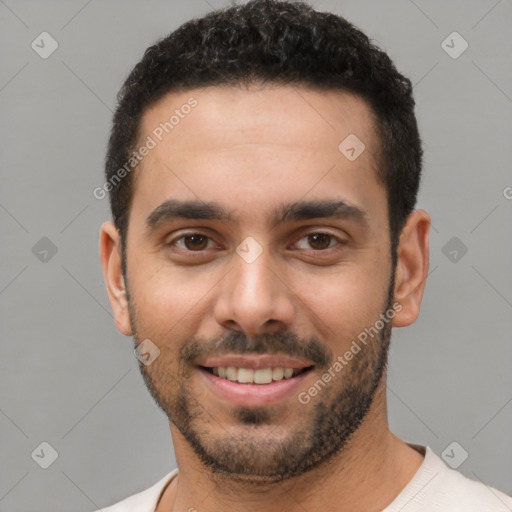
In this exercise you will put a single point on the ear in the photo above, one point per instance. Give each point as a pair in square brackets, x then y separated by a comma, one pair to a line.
[412, 267]
[110, 254]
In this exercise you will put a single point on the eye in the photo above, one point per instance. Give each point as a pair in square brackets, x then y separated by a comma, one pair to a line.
[193, 242]
[197, 242]
[320, 241]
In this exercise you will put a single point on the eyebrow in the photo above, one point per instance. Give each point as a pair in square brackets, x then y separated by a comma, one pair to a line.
[174, 209]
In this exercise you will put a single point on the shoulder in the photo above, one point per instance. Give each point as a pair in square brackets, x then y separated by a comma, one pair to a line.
[437, 487]
[144, 501]
[456, 489]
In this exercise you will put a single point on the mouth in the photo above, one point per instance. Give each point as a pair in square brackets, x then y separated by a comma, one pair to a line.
[262, 380]
[260, 376]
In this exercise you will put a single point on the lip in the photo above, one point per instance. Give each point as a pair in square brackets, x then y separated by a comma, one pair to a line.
[255, 361]
[252, 394]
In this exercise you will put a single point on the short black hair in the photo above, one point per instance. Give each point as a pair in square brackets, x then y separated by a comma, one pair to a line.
[275, 42]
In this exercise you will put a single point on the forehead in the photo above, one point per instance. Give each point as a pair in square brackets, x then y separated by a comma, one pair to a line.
[258, 114]
[254, 146]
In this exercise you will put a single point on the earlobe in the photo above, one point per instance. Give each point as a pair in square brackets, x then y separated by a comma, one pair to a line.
[412, 267]
[113, 274]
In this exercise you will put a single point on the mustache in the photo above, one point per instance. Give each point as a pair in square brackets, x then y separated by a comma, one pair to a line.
[283, 343]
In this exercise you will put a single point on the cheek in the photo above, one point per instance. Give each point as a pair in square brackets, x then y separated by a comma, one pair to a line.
[344, 302]
[167, 299]
[343, 306]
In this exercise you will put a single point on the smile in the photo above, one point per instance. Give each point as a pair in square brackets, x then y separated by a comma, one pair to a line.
[254, 376]
[266, 383]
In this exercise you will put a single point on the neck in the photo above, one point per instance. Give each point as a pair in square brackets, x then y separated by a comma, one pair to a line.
[368, 474]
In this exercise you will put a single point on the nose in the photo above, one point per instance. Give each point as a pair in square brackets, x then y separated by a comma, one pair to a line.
[255, 297]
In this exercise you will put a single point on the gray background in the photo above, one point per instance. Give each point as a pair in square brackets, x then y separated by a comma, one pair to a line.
[69, 378]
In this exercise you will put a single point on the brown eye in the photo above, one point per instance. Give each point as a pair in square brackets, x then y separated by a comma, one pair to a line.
[318, 241]
[196, 242]
[193, 242]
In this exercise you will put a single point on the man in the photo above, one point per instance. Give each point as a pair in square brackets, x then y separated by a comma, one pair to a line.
[263, 169]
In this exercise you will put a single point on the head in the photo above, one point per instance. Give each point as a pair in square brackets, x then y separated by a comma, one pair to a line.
[270, 213]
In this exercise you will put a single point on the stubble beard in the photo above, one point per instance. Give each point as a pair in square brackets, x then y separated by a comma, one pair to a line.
[260, 451]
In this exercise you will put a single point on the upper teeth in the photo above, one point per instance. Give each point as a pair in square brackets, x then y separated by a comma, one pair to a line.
[248, 375]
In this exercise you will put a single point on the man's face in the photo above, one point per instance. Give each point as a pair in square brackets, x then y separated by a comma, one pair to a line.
[259, 290]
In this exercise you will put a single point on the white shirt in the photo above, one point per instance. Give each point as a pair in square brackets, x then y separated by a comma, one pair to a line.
[435, 487]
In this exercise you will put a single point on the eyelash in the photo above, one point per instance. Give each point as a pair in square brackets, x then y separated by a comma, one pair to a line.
[186, 235]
